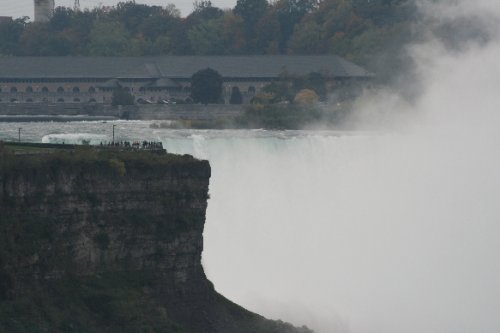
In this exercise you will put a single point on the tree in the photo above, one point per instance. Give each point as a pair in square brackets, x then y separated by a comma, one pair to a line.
[308, 38]
[10, 34]
[132, 15]
[108, 39]
[279, 90]
[121, 96]
[234, 35]
[290, 12]
[156, 26]
[313, 81]
[251, 11]
[268, 34]
[306, 97]
[203, 11]
[206, 86]
[236, 97]
[207, 37]
[35, 40]
[61, 19]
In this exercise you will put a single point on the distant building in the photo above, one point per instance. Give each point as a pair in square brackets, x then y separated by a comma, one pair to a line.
[44, 10]
[153, 79]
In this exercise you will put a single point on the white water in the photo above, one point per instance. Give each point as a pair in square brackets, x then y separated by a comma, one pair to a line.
[356, 233]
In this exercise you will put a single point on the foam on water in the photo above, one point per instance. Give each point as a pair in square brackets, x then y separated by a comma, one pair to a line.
[76, 138]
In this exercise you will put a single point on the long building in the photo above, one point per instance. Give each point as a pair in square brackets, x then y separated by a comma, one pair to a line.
[152, 79]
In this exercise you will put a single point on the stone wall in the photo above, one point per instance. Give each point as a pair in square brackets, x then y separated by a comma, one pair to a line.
[135, 112]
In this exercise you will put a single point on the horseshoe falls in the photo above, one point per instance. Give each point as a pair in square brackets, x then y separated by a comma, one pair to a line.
[355, 233]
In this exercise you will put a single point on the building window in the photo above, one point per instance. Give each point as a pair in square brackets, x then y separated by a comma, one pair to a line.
[92, 100]
[29, 89]
[13, 89]
[251, 90]
[29, 100]
[76, 90]
[60, 90]
[91, 90]
[76, 100]
[60, 100]
[45, 100]
[13, 100]
[45, 90]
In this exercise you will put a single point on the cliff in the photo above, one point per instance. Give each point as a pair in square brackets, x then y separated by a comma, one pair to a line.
[107, 241]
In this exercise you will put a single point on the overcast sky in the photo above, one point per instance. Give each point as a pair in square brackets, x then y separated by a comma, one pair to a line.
[19, 8]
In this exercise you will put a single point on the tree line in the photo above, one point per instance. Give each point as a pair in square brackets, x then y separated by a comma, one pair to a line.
[355, 29]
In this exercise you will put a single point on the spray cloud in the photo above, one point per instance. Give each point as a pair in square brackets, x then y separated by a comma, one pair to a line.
[395, 232]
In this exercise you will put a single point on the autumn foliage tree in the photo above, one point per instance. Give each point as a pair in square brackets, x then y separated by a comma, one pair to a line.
[306, 97]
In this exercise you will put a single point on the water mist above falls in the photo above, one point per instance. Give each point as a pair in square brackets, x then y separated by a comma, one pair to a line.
[363, 233]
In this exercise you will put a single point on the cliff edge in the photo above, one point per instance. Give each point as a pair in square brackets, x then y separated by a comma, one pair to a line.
[99, 240]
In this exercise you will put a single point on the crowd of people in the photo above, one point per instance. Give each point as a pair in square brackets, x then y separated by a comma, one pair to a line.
[149, 145]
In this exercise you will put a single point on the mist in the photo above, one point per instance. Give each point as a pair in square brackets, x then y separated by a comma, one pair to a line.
[392, 230]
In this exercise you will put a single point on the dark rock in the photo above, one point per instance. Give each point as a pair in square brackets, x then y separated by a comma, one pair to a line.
[108, 242]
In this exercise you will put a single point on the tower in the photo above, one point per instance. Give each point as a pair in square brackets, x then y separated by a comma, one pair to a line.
[44, 9]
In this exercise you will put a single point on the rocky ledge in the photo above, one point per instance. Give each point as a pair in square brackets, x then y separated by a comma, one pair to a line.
[106, 241]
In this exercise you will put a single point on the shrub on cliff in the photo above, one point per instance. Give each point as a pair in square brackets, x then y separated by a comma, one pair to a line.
[118, 166]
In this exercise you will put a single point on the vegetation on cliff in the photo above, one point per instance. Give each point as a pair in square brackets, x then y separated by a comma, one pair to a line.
[18, 157]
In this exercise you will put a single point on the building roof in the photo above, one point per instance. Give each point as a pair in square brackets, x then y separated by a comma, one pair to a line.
[175, 67]
[163, 83]
[112, 83]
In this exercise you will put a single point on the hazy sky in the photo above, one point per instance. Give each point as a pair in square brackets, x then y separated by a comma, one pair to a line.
[19, 8]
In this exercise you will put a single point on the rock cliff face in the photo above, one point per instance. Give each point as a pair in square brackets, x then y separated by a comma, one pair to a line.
[106, 241]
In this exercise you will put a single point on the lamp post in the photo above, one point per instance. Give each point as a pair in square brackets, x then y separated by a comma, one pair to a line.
[19, 134]
[114, 135]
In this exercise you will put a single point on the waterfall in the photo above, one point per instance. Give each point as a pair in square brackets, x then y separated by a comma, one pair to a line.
[355, 233]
